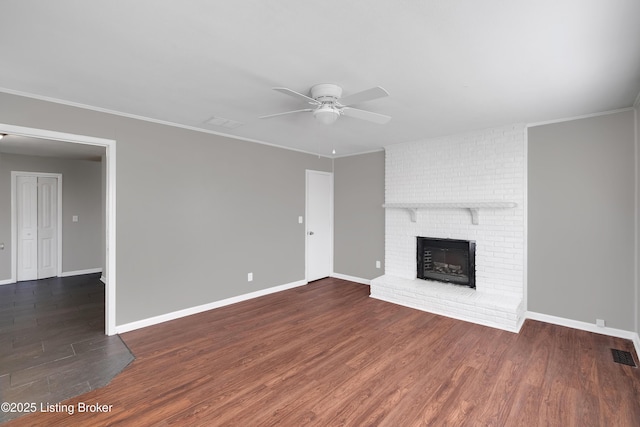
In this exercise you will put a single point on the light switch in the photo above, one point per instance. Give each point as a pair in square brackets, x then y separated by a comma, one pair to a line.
[74, 218]
[300, 220]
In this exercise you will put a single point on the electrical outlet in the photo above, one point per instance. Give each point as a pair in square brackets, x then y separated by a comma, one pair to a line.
[377, 264]
[600, 323]
[250, 277]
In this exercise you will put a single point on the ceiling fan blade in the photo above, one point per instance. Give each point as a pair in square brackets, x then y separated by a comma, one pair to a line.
[296, 95]
[286, 112]
[365, 115]
[365, 95]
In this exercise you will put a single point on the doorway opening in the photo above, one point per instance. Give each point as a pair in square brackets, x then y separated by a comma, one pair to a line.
[109, 273]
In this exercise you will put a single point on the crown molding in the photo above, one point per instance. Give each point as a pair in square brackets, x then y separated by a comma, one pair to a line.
[149, 119]
[358, 154]
[585, 116]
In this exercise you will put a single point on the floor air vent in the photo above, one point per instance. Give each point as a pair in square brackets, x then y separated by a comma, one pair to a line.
[624, 357]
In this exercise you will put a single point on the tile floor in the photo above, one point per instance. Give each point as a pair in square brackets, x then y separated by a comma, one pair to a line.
[52, 341]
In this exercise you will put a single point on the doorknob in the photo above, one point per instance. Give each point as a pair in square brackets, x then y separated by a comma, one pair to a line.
[311, 233]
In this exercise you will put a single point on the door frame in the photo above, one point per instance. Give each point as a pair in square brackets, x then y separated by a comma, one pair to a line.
[14, 219]
[110, 204]
[306, 220]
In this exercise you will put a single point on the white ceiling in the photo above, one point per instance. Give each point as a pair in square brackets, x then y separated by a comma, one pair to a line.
[449, 66]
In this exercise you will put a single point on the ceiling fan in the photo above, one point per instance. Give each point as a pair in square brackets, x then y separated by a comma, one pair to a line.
[327, 103]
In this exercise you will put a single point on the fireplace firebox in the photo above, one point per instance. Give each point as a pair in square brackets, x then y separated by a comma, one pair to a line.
[447, 260]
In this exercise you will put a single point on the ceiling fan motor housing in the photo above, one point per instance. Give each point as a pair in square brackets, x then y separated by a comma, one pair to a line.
[326, 92]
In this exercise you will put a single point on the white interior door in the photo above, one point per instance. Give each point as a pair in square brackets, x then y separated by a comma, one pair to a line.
[27, 203]
[319, 225]
[47, 227]
[37, 227]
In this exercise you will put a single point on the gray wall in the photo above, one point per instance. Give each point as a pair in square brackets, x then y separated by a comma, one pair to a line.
[358, 215]
[195, 212]
[581, 220]
[637, 313]
[81, 195]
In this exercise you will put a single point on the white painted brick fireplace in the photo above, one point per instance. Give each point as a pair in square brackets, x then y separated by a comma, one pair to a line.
[473, 168]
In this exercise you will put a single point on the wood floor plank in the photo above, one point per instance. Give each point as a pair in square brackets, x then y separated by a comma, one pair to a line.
[327, 354]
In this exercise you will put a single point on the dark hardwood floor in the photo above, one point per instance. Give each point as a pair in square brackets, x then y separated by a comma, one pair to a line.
[326, 354]
[52, 341]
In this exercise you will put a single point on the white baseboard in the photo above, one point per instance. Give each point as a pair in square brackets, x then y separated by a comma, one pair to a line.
[80, 272]
[585, 326]
[103, 279]
[205, 307]
[351, 278]
[63, 274]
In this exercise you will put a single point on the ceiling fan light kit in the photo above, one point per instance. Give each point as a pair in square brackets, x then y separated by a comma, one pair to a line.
[326, 115]
[328, 103]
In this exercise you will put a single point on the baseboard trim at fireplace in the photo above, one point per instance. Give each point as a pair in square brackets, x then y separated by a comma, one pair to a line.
[585, 326]
[351, 278]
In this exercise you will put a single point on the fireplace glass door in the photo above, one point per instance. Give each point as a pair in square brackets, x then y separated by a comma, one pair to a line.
[446, 260]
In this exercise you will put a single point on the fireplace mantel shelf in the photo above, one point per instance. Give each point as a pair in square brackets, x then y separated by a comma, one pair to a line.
[474, 207]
